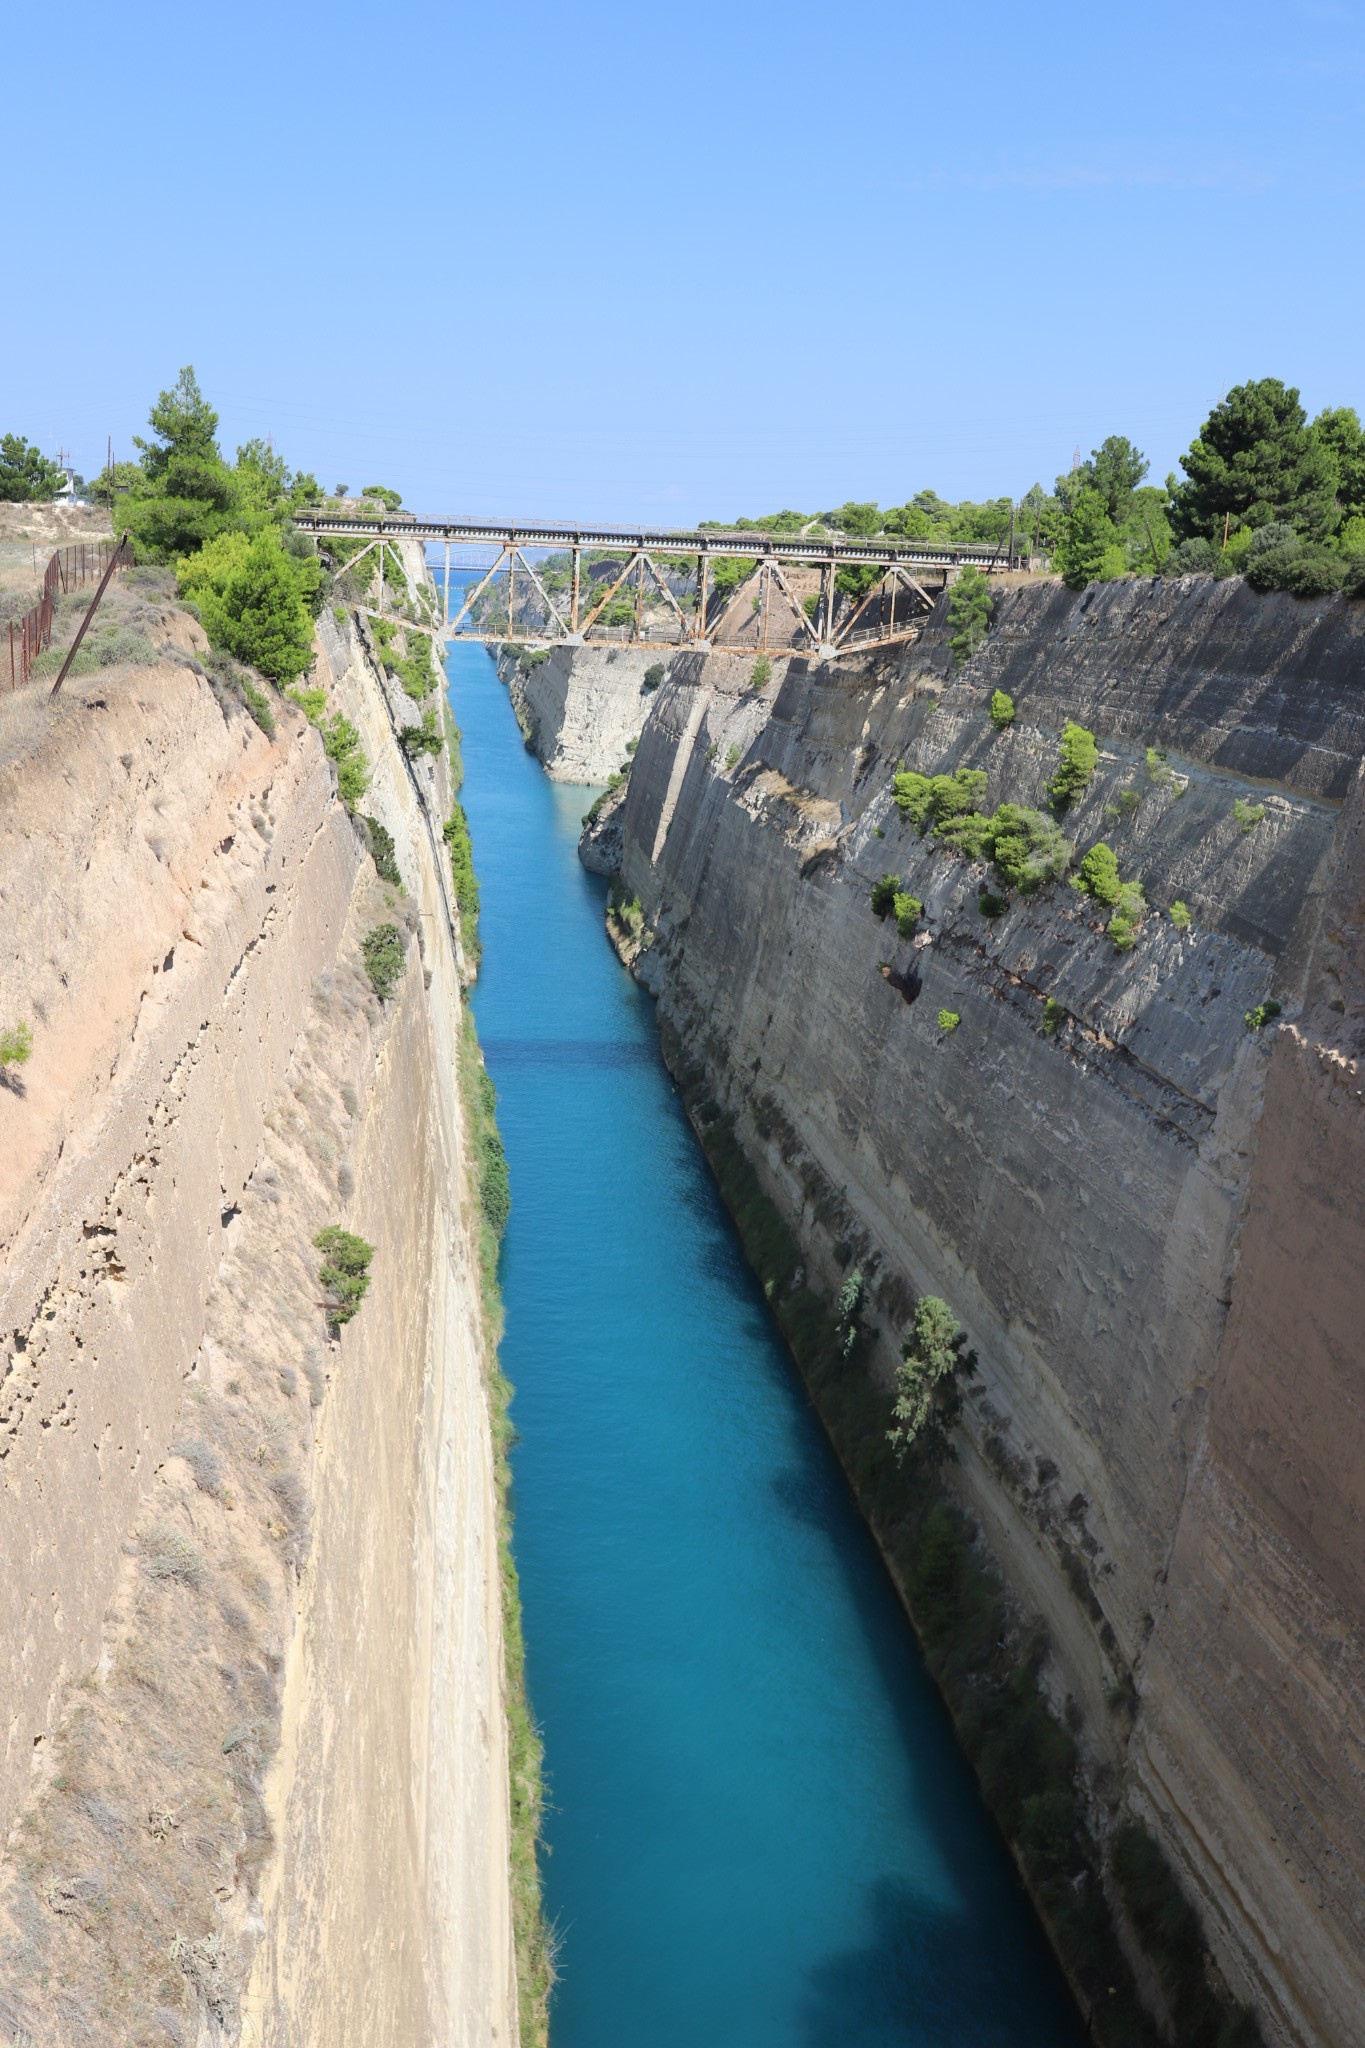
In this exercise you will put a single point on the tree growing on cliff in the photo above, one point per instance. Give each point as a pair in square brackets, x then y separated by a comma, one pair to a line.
[382, 951]
[344, 1274]
[928, 1400]
[969, 614]
[1255, 460]
[255, 600]
[1079, 757]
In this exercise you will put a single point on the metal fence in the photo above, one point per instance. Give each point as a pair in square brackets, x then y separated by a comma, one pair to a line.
[70, 568]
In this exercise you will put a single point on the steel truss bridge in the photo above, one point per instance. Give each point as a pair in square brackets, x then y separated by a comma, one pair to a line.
[657, 589]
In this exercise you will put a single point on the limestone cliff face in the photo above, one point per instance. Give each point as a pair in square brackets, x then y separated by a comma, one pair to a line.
[580, 707]
[1146, 1215]
[253, 1782]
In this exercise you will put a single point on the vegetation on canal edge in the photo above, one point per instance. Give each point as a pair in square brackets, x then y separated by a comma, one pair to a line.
[985, 1659]
[535, 1946]
[466, 883]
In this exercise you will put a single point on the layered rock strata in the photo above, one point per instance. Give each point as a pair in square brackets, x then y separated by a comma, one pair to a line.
[1145, 1212]
[254, 1777]
[580, 707]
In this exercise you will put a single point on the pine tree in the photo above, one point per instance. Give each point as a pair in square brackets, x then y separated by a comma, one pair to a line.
[1255, 460]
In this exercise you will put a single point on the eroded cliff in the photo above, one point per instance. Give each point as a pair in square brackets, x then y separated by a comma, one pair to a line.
[1145, 1213]
[254, 1781]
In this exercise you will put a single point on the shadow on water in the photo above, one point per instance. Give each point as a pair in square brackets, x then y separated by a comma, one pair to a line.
[844, 2000]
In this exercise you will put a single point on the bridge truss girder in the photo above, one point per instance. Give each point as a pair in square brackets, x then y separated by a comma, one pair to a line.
[777, 621]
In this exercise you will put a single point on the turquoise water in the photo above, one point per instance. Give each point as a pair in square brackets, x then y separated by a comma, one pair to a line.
[760, 1832]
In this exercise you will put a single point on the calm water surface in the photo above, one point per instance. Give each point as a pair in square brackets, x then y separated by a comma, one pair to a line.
[760, 1833]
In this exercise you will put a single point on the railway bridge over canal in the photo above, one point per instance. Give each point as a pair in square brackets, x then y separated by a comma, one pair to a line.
[544, 585]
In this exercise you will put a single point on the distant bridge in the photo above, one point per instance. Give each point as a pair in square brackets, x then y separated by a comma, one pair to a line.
[657, 588]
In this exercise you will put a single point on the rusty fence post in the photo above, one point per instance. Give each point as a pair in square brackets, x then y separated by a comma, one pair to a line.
[115, 559]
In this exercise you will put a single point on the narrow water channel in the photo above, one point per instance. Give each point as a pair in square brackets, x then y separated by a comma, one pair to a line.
[760, 1831]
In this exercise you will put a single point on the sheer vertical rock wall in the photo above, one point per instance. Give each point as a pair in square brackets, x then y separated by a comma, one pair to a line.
[253, 1773]
[1147, 1215]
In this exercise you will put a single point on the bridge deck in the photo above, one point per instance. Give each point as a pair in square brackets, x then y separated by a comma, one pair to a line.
[749, 546]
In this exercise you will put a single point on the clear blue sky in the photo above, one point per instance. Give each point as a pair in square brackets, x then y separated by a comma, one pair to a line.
[666, 263]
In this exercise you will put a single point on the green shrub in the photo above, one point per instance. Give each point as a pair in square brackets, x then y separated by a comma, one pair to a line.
[341, 744]
[344, 1274]
[908, 911]
[1099, 875]
[948, 1020]
[1258, 1018]
[1196, 557]
[927, 800]
[466, 883]
[931, 1354]
[761, 674]
[383, 951]
[382, 850]
[1122, 928]
[255, 600]
[1248, 816]
[1271, 539]
[425, 738]
[16, 1045]
[884, 894]
[1179, 916]
[991, 906]
[653, 676]
[1354, 584]
[969, 614]
[312, 703]
[1002, 710]
[1156, 766]
[1302, 570]
[494, 1181]
[732, 758]
[1053, 1015]
[1079, 757]
[1028, 848]
[414, 672]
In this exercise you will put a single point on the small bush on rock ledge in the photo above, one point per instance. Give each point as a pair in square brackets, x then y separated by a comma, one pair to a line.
[908, 911]
[344, 1273]
[927, 1401]
[383, 951]
[16, 1045]
[884, 894]
[1077, 764]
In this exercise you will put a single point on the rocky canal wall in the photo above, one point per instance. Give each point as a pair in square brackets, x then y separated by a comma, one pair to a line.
[253, 1754]
[1145, 1213]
